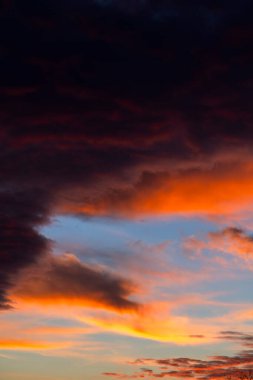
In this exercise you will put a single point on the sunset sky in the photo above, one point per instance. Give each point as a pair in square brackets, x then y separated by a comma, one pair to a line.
[126, 193]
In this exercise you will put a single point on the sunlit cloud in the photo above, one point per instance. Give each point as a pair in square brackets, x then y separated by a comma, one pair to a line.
[215, 367]
[31, 345]
[231, 240]
[64, 279]
[190, 191]
[125, 110]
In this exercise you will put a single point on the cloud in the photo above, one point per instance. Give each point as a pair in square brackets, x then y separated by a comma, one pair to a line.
[64, 279]
[232, 240]
[160, 321]
[239, 337]
[215, 367]
[101, 115]
[94, 296]
[20, 243]
[184, 192]
[31, 345]
[32, 331]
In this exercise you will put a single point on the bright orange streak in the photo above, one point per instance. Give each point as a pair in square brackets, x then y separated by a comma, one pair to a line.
[52, 300]
[153, 322]
[173, 329]
[29, 345]
[214, 192]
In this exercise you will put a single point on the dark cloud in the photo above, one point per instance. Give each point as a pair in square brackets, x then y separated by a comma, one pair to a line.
[20, 243]
[101, 100]
[66, 279]
[230, 367]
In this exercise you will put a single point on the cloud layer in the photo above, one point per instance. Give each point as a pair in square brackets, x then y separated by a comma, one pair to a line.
[216, 367]
[120, 108]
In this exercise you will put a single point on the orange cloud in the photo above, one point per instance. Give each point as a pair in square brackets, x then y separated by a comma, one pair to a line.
[65, 280]
[230, 240]
[154, 322]
[20, 344]
[103, 301]
[216, 191]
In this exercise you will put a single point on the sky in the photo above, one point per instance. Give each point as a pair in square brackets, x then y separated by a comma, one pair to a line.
[126, 192]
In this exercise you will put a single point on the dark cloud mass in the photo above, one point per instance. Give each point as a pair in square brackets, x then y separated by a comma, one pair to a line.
[102, 99]
[20, 243]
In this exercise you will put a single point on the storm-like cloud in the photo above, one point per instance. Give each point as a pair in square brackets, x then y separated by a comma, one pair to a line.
[120, 108]
[20, 242]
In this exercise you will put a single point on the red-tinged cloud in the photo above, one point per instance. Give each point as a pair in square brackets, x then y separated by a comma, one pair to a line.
[155, 322]
[65, 280]
[114, 108]
[230, 240]
[203, 192]
[233, 240]
[214, 367]
[104, 302]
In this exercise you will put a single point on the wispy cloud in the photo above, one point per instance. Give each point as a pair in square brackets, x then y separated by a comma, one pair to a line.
[215, 367]
[231, 240]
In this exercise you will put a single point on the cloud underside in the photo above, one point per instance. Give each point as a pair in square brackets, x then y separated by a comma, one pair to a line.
[65, 280]
[118, 110]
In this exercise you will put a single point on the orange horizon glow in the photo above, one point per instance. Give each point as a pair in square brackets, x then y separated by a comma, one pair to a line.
[19, 344]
